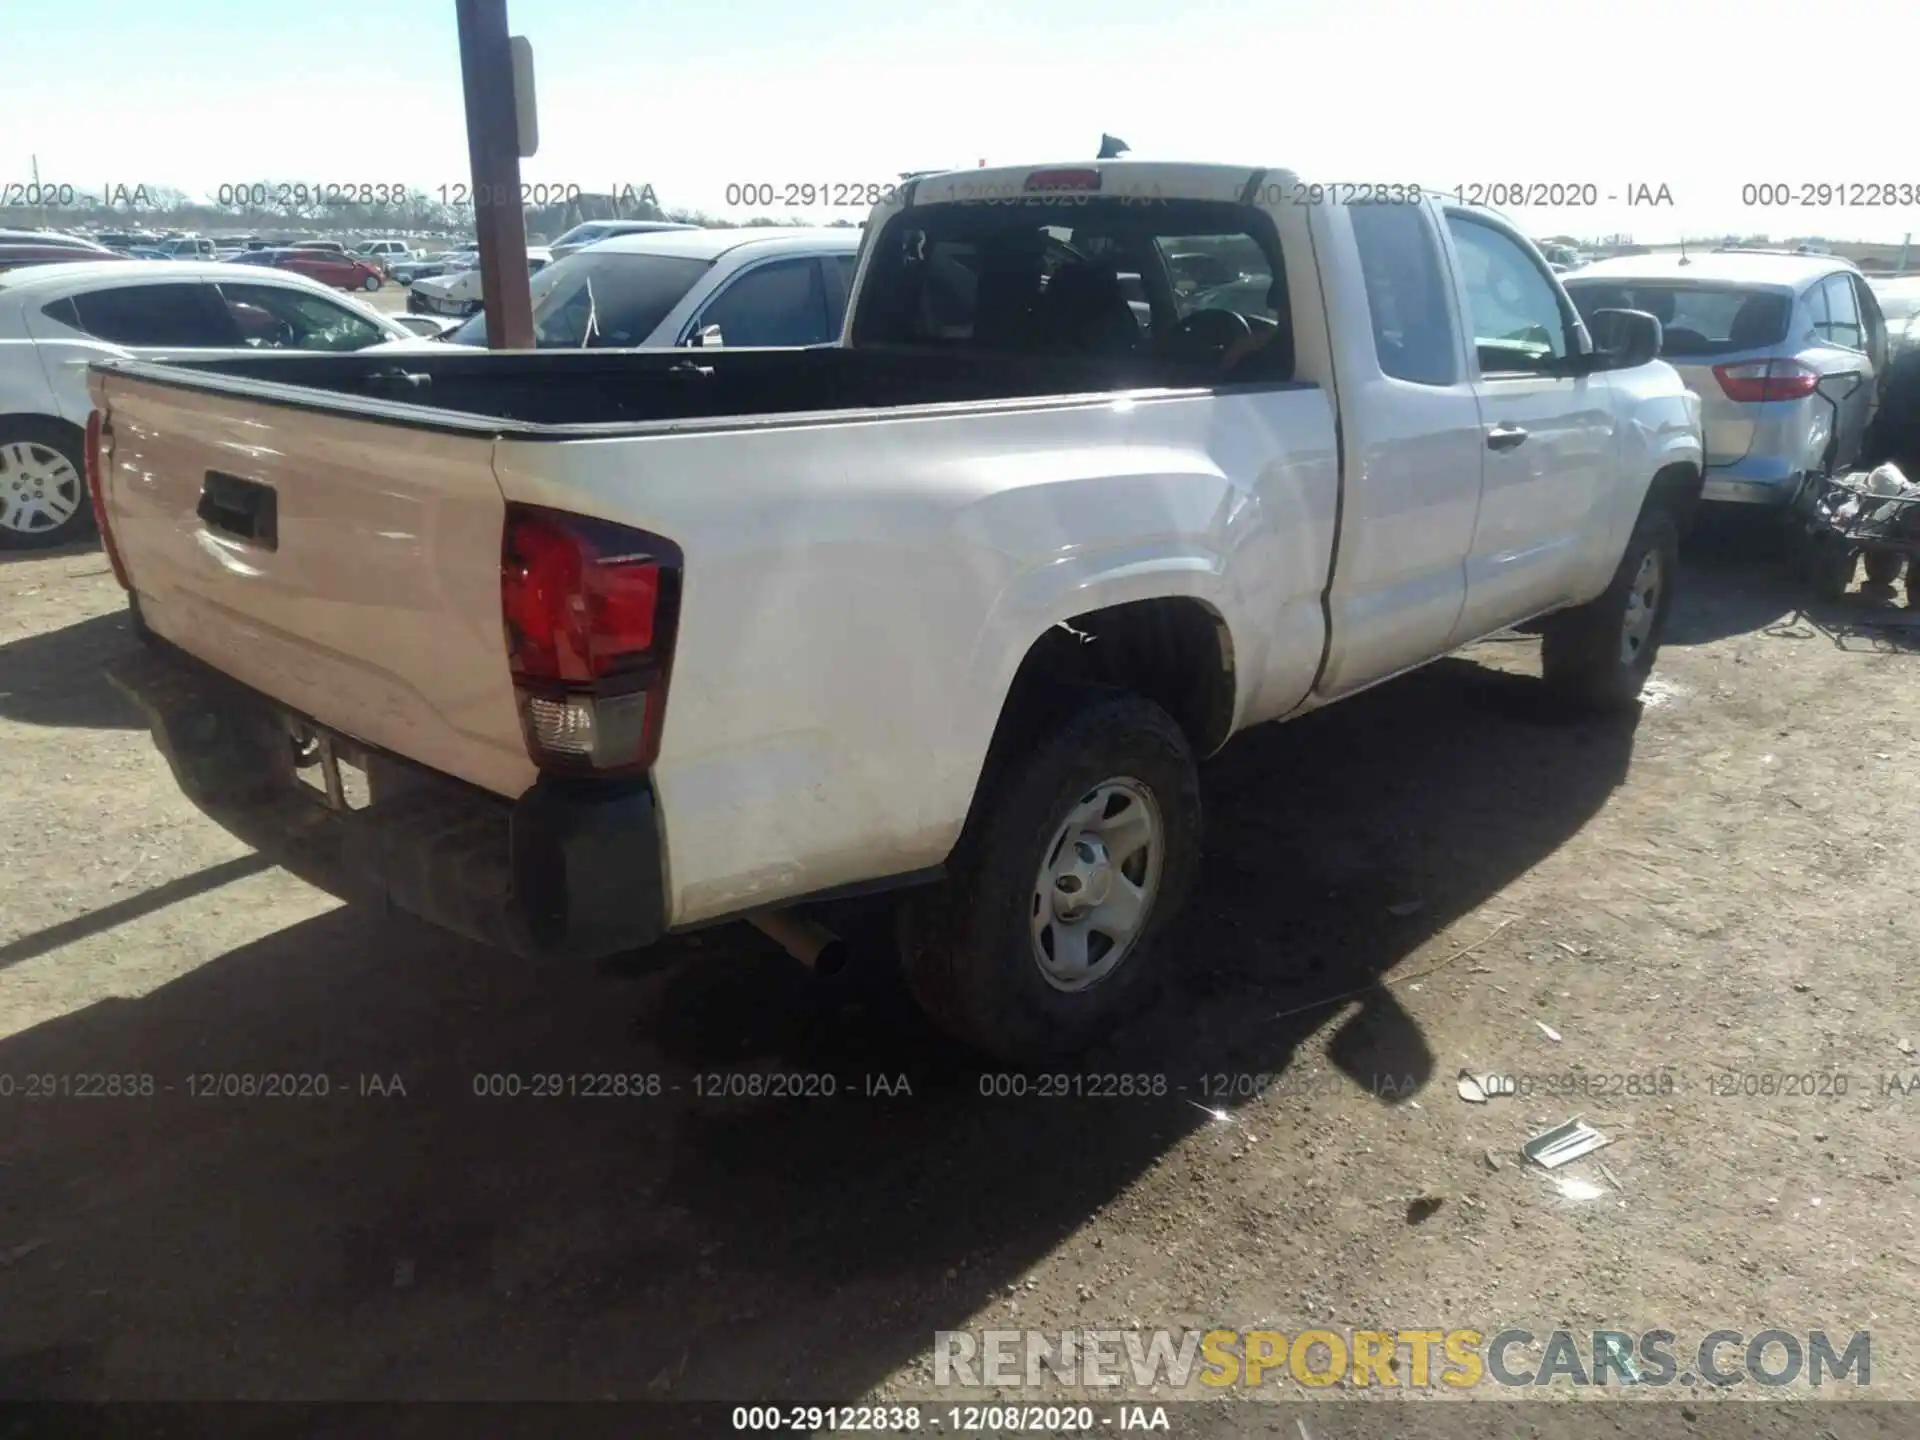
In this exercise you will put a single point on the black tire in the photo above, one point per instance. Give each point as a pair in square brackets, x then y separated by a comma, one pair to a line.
[44, 434]
[1830, 567]
[1882, 567]
[967, 945]
[1582, 653]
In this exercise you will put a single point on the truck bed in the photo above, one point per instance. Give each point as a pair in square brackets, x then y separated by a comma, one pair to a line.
[647, 387]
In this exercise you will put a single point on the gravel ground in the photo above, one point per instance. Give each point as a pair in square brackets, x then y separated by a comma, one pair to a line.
[1429, 877]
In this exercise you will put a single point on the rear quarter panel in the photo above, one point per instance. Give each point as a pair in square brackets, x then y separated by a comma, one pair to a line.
[860, 591]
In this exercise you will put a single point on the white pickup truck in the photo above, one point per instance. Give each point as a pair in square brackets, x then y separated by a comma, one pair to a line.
[626, 642]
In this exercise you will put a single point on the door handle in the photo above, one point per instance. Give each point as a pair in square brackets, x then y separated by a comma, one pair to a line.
[1505, 437]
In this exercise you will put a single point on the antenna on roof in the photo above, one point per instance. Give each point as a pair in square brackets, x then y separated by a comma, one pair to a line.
[1683, 251]
[1111, 148]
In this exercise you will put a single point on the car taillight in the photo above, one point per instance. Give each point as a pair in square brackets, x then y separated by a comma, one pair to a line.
[591, 609]
[1759, 380]
[99, 437]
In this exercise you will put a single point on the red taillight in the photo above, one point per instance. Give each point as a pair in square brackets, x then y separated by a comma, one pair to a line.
[1759, 380]
[590, 610]
[97, 437]
[1063, 180]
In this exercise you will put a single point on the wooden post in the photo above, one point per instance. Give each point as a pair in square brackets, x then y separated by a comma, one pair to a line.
[493, 150]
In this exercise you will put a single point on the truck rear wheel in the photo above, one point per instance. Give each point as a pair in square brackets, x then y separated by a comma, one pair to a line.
[1599, 655]
[1079, 853]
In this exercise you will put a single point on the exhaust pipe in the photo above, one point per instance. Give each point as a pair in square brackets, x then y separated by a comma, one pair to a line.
[812, 944]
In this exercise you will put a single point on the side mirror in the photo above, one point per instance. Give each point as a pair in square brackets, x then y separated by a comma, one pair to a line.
[706, 335]
[1623, 339]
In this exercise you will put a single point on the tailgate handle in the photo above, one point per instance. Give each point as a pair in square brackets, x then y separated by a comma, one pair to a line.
[242, 508]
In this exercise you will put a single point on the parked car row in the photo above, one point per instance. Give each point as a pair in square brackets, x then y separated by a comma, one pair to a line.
[56, 319]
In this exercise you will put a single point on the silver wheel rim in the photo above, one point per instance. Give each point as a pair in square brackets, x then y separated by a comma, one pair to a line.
[39, 488]
[1643, 603]
[1097, 883]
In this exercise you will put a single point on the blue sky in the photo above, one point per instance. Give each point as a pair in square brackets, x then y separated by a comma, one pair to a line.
[690, 97]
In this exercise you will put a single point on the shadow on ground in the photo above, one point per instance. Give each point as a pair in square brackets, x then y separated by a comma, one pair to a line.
[444, 1242]
[1738, 578]
[89, 546]
[57, 676]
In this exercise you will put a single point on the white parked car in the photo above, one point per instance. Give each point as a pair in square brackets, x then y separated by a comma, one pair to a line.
[387, 252]
[685, 287]
[592, 232]
[457, 292]
[56, 319]
[190, 247]
[629, 641]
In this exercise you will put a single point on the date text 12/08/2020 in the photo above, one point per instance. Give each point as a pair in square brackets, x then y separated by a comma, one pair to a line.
[1560, 194]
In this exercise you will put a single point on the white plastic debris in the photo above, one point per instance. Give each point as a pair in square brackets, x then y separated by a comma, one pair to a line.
[1548, 1031]
[1889, 480]
[1572, 1187]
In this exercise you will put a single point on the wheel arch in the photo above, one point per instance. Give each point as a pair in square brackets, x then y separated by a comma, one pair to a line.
[1175, 650]
[1676, 487]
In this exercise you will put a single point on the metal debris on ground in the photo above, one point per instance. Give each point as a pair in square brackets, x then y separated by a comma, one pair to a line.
[1548, 1031]
[1906, 1047]
[1562, 1144]
[1612, 1179]
[1470, 1088]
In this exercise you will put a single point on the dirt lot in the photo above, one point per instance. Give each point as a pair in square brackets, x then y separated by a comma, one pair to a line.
[1408, 884]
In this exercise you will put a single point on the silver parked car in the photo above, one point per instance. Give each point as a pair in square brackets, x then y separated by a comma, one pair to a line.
[1753, 333]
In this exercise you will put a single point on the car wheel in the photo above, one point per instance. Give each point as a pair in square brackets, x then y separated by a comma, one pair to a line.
[43, 483]
[1598, 655]
[1051, 926]
[372, 282]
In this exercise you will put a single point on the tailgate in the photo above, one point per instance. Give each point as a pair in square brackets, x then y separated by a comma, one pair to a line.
[347, 568]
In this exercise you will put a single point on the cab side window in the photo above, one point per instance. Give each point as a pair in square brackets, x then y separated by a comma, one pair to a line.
[1413, 334]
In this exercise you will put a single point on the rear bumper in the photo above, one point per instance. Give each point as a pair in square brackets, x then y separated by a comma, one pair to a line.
[570, 869]
[1756, 480]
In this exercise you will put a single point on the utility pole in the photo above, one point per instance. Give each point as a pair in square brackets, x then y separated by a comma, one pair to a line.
[493, 152]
